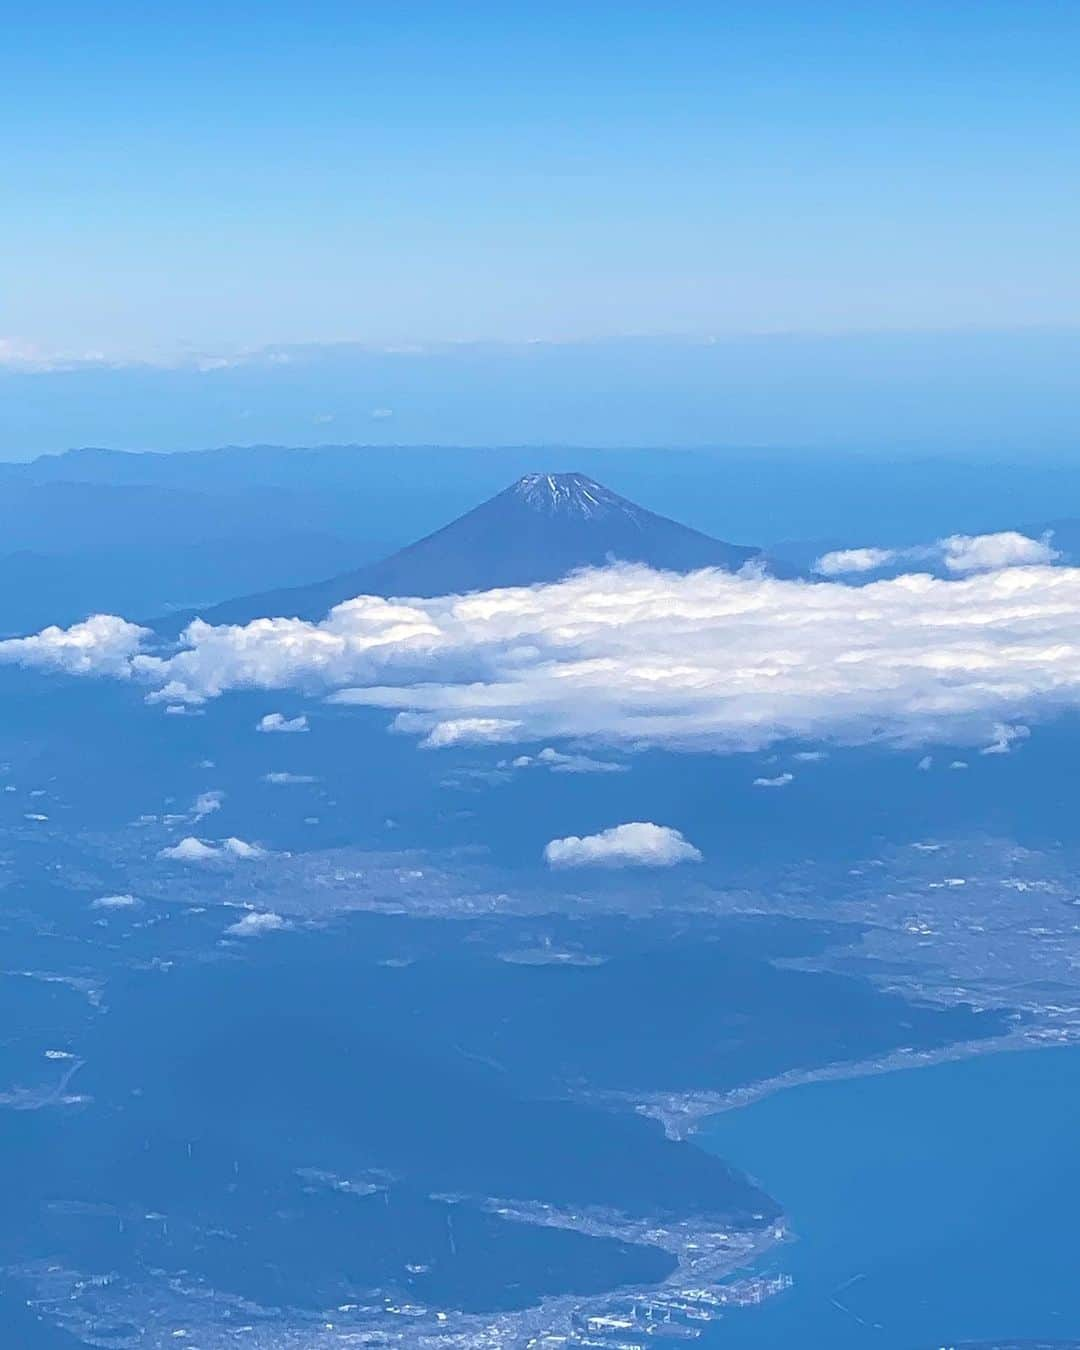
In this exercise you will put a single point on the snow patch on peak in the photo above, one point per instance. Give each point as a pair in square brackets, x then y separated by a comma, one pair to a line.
[570, 494]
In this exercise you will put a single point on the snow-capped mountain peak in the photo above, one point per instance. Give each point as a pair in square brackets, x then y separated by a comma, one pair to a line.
[568, 493]
[539, 529]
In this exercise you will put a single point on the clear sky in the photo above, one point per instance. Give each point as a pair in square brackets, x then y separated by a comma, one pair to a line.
[212, 176]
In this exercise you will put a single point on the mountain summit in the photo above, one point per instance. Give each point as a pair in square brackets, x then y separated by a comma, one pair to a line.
[539, 529]
[570, 493]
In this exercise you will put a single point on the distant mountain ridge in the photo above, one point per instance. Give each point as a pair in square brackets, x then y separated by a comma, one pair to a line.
[539, 529]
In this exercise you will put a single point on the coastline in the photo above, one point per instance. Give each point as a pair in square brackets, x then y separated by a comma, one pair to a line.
[682, 1115]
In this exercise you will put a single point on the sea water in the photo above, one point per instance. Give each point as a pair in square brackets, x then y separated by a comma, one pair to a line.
[930, 1206]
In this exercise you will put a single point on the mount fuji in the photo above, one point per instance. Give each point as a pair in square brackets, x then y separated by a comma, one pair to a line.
[539, 529]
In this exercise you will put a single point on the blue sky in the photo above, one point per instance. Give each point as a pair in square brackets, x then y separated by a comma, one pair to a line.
[226, 176]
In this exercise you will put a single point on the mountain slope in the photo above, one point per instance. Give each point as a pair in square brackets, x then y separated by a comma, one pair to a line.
[538, 529]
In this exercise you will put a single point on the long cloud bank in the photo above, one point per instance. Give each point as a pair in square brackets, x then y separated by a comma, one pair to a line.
[628, 656]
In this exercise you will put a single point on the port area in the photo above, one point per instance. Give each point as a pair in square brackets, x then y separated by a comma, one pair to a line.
[711, 1278]
[677, 1315]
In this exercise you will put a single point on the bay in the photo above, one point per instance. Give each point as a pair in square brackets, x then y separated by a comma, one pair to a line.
[931, 1206]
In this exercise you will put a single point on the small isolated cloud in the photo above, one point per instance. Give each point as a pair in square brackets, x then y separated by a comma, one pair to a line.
[557, 762]
[192, 850]
[990, 552]
[284, 776]
[958, 764]
[114, 902]
[256, 923]
[843, 561]
[100, 645]
[926, 763]
[465, 731]
[239, 848]
[781, 780]
[279, 722]
[381, 414]
[206, 803]
[1005, 738]
[639, 843]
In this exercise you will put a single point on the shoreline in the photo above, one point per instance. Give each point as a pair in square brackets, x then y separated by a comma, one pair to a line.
[682, 1115]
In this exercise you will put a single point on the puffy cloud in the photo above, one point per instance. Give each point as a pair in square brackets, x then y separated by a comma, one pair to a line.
[630, 657]
[988, 552]
[464, 730]
[846, 560]
[958, 553]
[114, 902]
[356, 639]
[639, 843]
[239, 848]
[781, 780]
[713, 661]
[273, 722]
[100, 645]
[256, 923]
[192, 850]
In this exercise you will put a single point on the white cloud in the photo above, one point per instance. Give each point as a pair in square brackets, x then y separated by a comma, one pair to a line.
[848, 560]
[285, 777]
[1004, 738]
[636, 844]
[464, 730]
[114, 902]
[239, 848]
[989, 552]
[926, 763]
[781, 780]
[557, 762]
[256, 923]
[629, 657]
[206, 803]
[958, 553]
[100, 645]
[279, 722]
[192, 850]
